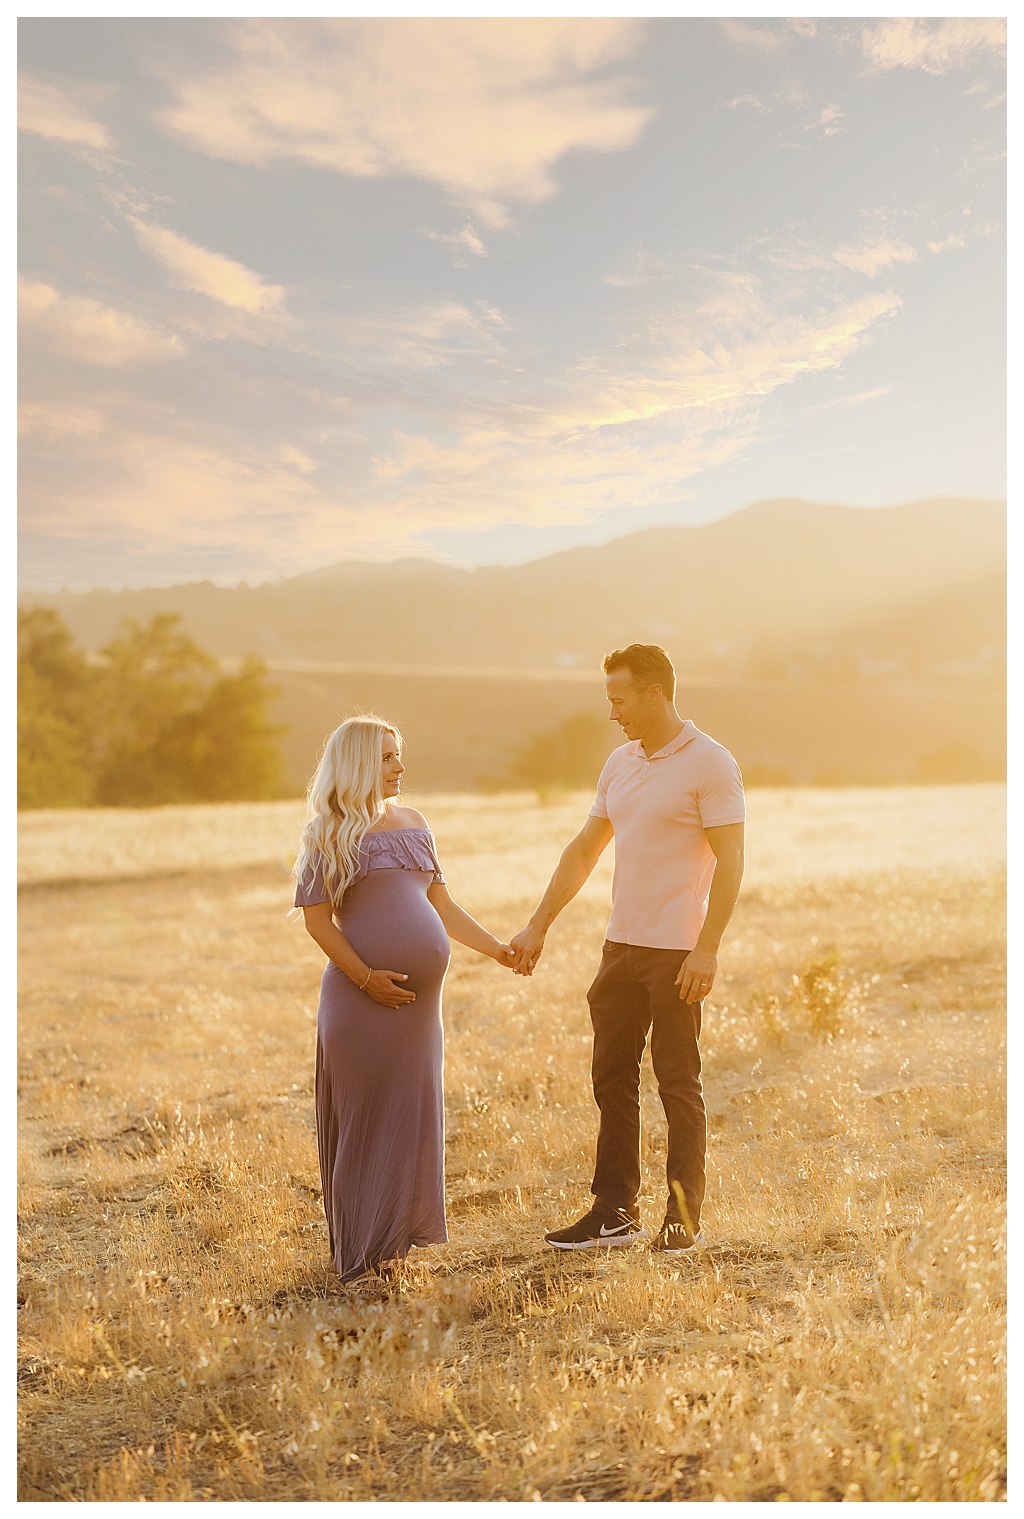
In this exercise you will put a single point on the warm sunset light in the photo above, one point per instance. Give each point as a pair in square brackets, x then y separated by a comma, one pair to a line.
[511, 760]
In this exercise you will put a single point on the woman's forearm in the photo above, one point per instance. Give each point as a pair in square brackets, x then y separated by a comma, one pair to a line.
[465, 930]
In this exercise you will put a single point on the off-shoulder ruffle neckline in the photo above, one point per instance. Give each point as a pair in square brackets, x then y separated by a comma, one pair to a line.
[382, 833]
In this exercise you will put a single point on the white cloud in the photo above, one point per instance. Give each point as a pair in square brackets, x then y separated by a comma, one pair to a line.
[935, 45]
[192, 267]
[465, 240]
[426, 336]
[89, 331]
[829, 122]
[485, 108]
[52, 112]
[873, 254]
[752, 36]
[676, 389]
[869, 254]
[952, 240]
[826, 120]
[846, 403]
[681, 393]
[753, 101]
[732, 348]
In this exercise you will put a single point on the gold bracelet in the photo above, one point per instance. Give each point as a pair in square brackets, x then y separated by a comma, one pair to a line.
[366, 983]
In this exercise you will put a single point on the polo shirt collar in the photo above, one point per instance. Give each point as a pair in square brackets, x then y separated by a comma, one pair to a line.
[688, 731]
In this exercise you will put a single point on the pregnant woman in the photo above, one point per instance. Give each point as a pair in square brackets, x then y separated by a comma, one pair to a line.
[374, 899]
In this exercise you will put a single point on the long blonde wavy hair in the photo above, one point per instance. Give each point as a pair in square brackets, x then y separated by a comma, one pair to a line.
[344, 800]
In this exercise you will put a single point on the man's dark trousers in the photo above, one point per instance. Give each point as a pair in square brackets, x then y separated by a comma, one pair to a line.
[635, 994]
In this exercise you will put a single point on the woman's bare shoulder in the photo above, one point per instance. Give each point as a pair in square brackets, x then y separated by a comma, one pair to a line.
[408, 817]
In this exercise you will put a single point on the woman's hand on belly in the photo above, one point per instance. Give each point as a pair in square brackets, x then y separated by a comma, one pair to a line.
[384, 987]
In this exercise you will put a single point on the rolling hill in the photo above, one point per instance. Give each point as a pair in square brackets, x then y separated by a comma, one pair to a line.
[820, 643]
[783, 588]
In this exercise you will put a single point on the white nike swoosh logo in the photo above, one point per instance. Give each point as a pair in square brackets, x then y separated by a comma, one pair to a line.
[617, 1230]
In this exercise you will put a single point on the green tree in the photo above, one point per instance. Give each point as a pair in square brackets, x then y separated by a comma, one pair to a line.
[56, 687]
[153, 720]
[226, 747]
[176, 729]
[153, 676]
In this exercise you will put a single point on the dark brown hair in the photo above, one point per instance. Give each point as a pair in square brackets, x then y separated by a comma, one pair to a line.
[648, 664]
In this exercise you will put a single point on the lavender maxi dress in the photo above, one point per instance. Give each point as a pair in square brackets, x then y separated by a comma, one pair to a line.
[379, 1070]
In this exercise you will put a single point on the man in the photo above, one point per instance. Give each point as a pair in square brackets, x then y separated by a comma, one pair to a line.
[672, 798]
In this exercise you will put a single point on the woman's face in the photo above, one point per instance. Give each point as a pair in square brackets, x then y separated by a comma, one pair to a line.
[392, 767]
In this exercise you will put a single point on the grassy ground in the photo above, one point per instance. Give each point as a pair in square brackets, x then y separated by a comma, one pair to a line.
[183, 1336]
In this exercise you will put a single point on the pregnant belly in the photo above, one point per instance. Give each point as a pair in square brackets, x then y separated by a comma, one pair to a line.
[392, 925]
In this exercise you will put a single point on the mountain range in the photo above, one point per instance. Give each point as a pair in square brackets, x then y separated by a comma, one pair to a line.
[783, 589]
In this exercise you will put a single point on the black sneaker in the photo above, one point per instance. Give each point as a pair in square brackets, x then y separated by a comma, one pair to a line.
[598, 1228]
[674, 1238]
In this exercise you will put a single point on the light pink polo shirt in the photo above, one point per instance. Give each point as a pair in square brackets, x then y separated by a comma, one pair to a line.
[659, 808]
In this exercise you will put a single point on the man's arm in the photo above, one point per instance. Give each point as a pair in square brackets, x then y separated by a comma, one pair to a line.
[697, 973]
[578, 859]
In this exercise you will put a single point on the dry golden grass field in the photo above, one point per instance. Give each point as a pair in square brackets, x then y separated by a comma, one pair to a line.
[183, 1336]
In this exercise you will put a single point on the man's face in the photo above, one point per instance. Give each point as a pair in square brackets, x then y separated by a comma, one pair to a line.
[628, 705]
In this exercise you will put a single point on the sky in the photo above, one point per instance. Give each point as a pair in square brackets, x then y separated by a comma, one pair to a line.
[299, 291]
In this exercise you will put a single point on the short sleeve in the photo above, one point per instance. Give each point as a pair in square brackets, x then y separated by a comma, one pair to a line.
[439, 879]
[720, 797]
[600, 807]
[310, 887]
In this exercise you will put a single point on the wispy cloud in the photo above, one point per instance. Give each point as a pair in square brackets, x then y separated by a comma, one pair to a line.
[748, 35]
[90, 331]
[194, 268]
[952, 242]
[48, 110]
[733, 347]
[753, 101]
[682, 393]
[794, 98]
[675, 389]
[937, 46]
[465, 240]
[485, 108]
[847, 403]
[871, 254]
[424, 336]
[828, 122]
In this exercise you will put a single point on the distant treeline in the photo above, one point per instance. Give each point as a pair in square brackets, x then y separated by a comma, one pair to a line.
[153, 719]
[569, 756]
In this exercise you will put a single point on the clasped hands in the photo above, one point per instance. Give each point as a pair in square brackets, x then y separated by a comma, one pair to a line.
[695, 979]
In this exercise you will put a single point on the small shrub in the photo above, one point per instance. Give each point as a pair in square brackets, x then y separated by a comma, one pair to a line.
[823, 993]
[767, 1011]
